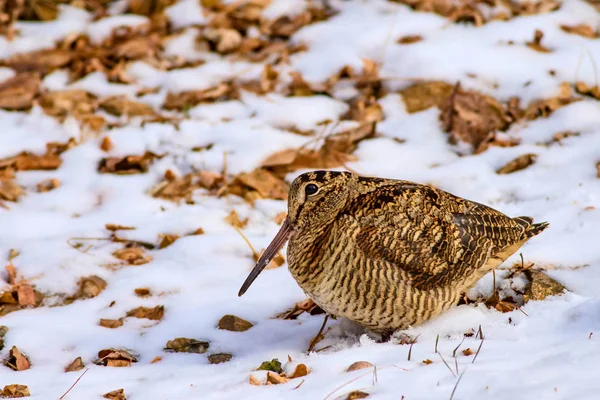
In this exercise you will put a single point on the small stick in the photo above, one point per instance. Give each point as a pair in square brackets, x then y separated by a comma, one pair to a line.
[411, 345]
[478, 349]
[299, 385]
[457, 347]
[316, 340]
[456, 385]
[437, 339]
[73, 385]
[374, 381]
[449, 369]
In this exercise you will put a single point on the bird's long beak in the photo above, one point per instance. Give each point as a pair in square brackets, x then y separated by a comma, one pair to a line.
[276, 244]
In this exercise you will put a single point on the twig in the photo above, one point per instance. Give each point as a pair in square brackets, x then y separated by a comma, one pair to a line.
[374, 381]
[437, 339]
[411, 346]
[300, 384]
[456, 385]
[449, 369]
[316, 339]
[254, 253]
[346, 384]
[478, 349]
[73, 385]
[479, 333]
[457, 347]
[456, 364]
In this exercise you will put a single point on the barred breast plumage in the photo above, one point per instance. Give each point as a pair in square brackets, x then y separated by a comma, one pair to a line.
[389, 254]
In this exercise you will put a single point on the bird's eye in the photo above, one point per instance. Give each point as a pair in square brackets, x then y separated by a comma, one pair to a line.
[310, 189]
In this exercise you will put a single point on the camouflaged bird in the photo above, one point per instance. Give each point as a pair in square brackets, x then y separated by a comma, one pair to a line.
[389, 254]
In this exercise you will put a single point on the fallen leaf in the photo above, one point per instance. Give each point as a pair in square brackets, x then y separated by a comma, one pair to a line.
[133, 255]
[518, 164]
[254, 380]
[359, 365]
[17, 93]
[167, 240]
[536, 43]
[42, 61]
[117, 227]
[111, 323]
[16, 360]
[121, 105]
[198, 231]
[76, 365]
[15, 391]
[25, 295]
[300, 371]
[154, 314]
[27, 162]
[427, 361]
[67, 102]
[581, 30]
[277, 261]
[156, 359]
[185, 345]
[223, 40]
[421, 96]
[233, 219]
[301, 307]
[356, 394]
[540, 286]
[219, 358]
[544, 107]
[118, 394]
[583, 88]
[409, 39]
[467, 352]
[273, 365]
[9, 190]
[90, 287]
[142, 292]
[127, 165]
[274, 378]
[115, 358]
[11, 271]
[183, 101]
[279, 218]
[3, 332]
[265, 183]
[235, 324]
[48, 185]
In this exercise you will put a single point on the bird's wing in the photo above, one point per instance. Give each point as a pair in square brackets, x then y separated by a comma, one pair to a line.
[435, 237]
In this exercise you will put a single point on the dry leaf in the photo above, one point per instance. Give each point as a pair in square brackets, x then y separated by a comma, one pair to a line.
[12, 272]
[422, 96]
[156, 359]
[154, 314]
[25, 295]
[427, 361]
[142, 292]
[16, 360]
[536, 43]
[117, 227]
[118, 394]
[581, 30]
[185, 100]
[167, 240]
[76, 365]
[303, 306]
[544, 107]
[359, 365]
[127, 165]
[9, 190]
[223, 40]
[409, 39]
[42, 61]
[14, 391]
[121, 105]
[115, 358]
[234, 220]
[106, 144]
[90, 287]
[540, 286]
[235, 324]
[133, 255]
[254, 380]
[3, 332]
[356, 394]
[17, 93]
[467, 352]
[265, 183]
[48, 185]
[518, 164]
[185, 345]
[275, 379]
[111, 323]
[277, 261]
[300, 371]
[582, 88]
[219, 358]
[67, 102]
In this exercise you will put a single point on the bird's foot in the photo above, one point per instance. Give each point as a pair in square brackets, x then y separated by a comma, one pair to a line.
[320, 336]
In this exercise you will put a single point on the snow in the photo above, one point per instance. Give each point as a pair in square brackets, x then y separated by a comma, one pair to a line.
[102, 29]
[549, 351]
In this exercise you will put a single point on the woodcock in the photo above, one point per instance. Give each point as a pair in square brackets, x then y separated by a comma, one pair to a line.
[389, 254]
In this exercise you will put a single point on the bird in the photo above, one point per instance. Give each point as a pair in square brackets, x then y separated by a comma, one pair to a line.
[388, 254]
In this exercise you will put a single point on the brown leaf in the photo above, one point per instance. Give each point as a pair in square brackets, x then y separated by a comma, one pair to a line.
[8, 297]
[300, 307]
[540, 286]
[409, 39]
[115, 358]
[422, 96]
[582, 88]
[111, 323]
[356, 394]
[106, 144]
[598, 169]
[518, 164]
[300, 371]
[279, 218]
[265, 183]
[581, 30]
[42, 61]
[16, 360]
[117, 227]
[142, 292]
[133, 255]
[427, 361]
[536, 43]
[67, 102]
[185, 100]
[26, 162]
[235, 324]
[121, 105]
[219, 358]
[274, 378]
[12, 272]
[359, 365]
[471, 117]
[177, 188]
[254, 380]
[17, 93]
[154, 314]
[544, 107]
[118, 394]
[277, 261]
[48, 185]
[25, 295]
[76, 365]
[15, 391]
[167, 240]
[135, 48]
[90, 287]
[467, 352]
[223, 40]
[185, 345]
[156, 359]
[9, 190]
[233, 219]
[127, 165]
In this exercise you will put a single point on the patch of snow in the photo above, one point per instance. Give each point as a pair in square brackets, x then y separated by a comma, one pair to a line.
[185, 13]
[102, 29]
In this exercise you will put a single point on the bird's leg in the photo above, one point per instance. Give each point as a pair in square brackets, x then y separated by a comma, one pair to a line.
[319, 336]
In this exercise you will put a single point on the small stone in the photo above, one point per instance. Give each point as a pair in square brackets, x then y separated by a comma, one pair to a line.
[219, 358]
[186, 345]
[232, 323]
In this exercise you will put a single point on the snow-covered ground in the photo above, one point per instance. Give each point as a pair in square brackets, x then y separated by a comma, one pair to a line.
[549, 351]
